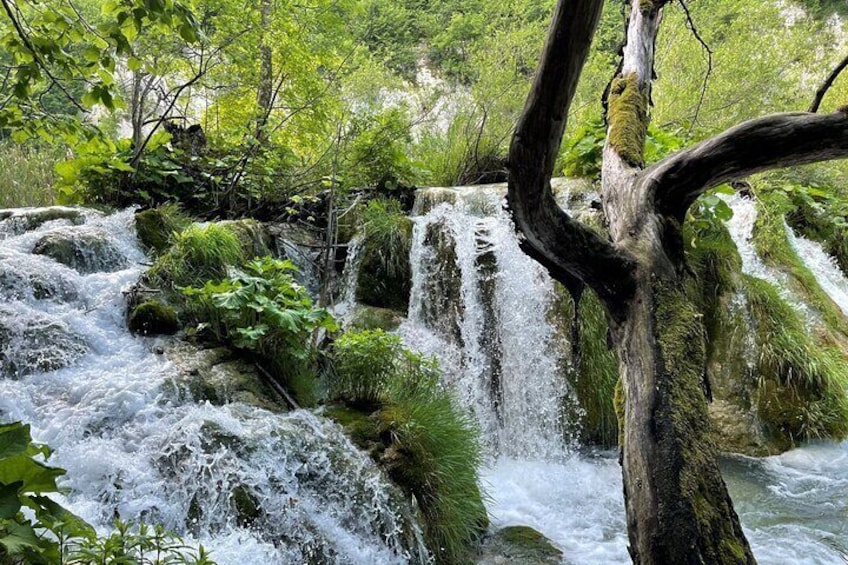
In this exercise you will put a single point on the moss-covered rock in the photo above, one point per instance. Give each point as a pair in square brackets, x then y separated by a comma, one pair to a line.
[87, 252]
[153, 318]
[156, 227]
[373, 318]
[384, 279]
[518, 545]
[245, 506]
[216, 376]
[21, 220]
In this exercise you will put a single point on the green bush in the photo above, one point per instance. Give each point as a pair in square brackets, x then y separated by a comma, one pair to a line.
[55, 536]
[200, 253]
[427, 443]
[261, 309]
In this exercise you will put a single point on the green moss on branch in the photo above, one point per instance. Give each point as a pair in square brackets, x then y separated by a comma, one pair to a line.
[628, 119]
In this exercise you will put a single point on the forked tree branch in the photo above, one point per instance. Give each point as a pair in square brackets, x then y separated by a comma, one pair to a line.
[568, 249]
[770, 142]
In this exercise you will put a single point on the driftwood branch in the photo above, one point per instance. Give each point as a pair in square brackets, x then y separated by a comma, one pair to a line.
[569, 250]
[831, 78]
[770, 142]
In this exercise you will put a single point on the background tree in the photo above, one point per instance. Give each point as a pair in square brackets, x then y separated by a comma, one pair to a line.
[678, 509]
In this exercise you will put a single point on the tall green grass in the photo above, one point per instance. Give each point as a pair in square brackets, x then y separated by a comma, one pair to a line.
[26, 175]
[802, 381]
[426, 442]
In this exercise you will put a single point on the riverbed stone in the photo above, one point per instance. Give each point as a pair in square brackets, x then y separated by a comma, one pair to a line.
[87, 252]
[518, 545]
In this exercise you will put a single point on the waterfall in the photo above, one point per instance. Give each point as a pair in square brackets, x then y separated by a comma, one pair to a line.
[482, 306]
[828, 274]
[279, 488]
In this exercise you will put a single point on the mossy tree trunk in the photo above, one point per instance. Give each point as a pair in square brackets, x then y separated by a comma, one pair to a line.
[678, 509]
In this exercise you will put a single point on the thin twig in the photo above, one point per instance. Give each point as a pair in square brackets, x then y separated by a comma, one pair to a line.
[690, 23]
[831, 78]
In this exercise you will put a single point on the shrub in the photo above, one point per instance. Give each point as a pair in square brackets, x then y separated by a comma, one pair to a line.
[49, 534]
[199, 253]
[261, 309]
[427, 443]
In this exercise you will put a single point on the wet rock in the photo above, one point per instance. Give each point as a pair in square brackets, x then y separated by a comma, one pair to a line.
[153, 318]
[373, 318]
[518, 545]
[87, 252]
[24, 276]
[31, 342]
[216, 376]
[21, 220]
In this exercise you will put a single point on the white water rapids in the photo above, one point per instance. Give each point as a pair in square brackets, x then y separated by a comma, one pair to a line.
[135, 448]
[793, 507]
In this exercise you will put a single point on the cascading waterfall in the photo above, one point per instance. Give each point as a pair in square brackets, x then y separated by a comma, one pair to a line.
[482, 308]
[279, 488]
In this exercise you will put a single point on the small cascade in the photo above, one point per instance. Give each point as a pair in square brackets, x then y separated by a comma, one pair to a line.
[828, 274]
[279, 488]
[481, 306]
[741, 228]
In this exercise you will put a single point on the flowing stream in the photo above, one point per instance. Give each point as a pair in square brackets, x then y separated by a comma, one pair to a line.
[279, 488]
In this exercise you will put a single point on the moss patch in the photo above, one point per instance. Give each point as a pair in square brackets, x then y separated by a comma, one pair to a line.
[157, 226]
[801, 379]
[701, 512]
[153, 318]
[519, 545]
[628, 119]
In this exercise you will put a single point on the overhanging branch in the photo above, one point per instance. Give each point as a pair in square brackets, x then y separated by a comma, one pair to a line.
[771, 142]
[569, 250]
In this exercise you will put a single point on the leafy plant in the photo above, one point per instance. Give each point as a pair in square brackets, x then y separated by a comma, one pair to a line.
[36, 530]
[263, 310]
[385, 273]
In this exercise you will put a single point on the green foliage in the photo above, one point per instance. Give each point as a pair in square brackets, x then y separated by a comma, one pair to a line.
[801, 388]
[200, 253]
[372, 367]
[261, 309]
[377, 155]
[36, 530]
[597, 374]
[52, 48]
[26, 175]
[385, 275]
[429, 446]
[583, 157]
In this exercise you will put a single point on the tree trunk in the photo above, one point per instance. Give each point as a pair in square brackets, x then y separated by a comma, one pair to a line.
[678, 508]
